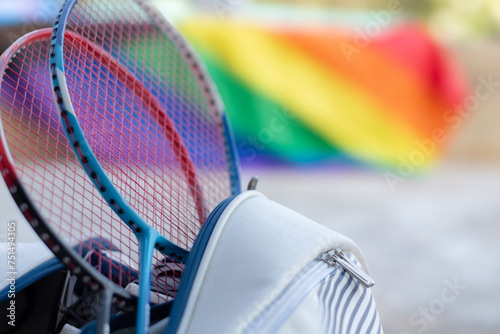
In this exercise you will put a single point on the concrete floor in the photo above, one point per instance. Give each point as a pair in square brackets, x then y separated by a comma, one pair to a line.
[429, 233]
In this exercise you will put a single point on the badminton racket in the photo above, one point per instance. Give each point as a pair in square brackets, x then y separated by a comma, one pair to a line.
[48, 183]
[146, 123]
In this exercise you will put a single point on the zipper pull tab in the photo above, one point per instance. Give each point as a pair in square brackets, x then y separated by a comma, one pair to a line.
[337, 258]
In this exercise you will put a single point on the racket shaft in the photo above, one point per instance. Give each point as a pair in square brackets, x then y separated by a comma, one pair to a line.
[147, 243]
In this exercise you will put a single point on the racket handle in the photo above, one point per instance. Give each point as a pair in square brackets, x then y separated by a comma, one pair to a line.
[105, 299]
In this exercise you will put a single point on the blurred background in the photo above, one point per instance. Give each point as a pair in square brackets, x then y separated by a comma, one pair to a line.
[377, 119]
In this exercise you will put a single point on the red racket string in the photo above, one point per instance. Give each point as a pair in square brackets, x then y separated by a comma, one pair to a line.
[44, 163]
[115, 68]
[120, 121]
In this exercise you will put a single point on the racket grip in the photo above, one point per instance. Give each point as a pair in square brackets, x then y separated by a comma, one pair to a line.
[105, 299]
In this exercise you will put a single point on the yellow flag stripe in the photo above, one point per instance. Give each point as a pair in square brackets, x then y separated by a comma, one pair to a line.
[331, 106]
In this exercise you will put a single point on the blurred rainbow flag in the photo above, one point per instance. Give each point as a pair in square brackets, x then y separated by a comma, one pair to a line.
[316, 93]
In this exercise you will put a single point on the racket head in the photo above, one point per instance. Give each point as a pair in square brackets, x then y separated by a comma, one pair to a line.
[149, 125]
[40, 169]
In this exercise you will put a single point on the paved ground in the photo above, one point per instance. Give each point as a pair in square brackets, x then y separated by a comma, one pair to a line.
[432, 232]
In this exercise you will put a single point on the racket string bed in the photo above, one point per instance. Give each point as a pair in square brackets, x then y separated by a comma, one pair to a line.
[149, 54]
[146, 110]
[47, 182]
[138, 156]
[44, 160]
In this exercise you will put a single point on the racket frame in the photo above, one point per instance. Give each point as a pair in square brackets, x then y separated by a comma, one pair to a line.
[85, 272]
[147, 237]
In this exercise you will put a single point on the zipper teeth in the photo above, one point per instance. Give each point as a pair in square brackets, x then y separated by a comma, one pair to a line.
[314, 274]
[50, 266]
[290, 298]
[189, 275]
[46, 268]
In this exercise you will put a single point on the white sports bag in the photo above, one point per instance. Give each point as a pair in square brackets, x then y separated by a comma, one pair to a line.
[258, 267]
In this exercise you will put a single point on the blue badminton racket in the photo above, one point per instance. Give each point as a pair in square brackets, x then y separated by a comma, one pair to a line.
[146, 123]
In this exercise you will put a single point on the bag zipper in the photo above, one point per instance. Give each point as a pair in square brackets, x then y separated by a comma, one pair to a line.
[48, 267]
[193, 262]
[276, 313]
[314, 274]
[337, 258]
[317, 271]
[41, 271]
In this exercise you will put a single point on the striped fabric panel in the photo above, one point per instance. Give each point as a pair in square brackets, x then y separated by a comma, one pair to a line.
[347, 306]
[336, 304]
